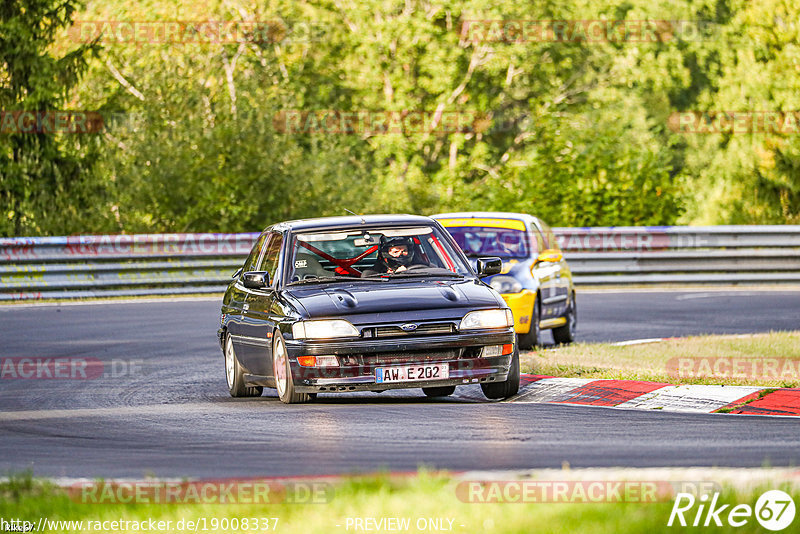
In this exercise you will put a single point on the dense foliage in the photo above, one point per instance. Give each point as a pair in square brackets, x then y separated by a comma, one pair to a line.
[46, 181]
[211, 136]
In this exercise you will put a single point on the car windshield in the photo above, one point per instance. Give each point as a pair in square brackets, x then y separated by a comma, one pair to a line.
[373, 254]
[503, 238]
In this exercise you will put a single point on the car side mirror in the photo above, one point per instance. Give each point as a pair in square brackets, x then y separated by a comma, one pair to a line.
[550, 255]
[489, 266]
[255, 279]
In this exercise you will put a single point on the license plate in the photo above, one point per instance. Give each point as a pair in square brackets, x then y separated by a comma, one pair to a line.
[410, 373]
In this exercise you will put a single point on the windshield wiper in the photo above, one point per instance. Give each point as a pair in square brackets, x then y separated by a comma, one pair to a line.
[321, 280]
[404, 274]
[329, 279]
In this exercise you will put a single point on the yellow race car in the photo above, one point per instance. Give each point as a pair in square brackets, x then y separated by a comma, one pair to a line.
[535, 280]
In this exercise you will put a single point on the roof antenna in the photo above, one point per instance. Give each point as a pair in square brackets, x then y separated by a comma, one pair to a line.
[356, 214]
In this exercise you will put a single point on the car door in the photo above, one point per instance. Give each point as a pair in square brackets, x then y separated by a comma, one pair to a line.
[259, 320]
[235, 308]
[548, 274]
[561, 271]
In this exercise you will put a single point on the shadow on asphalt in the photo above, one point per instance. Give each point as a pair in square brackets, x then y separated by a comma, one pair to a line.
[470, 395]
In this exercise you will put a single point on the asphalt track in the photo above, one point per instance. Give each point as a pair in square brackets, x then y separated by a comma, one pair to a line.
[163, 410]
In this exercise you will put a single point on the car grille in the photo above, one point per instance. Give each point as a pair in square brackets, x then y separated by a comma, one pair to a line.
[412, 356]
[429, 329]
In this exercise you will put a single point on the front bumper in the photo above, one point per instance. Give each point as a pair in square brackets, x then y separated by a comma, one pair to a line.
[359, 359]
[521, 305]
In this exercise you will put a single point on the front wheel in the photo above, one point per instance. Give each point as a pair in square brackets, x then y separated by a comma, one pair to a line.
[234, 374]
[441, 391]
[508, 388]
[283, 373]
[566, 334]
[533, 337]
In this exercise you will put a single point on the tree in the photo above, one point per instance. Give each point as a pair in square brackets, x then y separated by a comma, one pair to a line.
[44, 177]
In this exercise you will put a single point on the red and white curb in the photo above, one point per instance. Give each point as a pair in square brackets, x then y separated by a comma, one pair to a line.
[638, 395]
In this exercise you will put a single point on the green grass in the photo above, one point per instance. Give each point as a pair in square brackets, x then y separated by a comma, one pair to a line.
[761, 395]
[657, 361]
[427, 495]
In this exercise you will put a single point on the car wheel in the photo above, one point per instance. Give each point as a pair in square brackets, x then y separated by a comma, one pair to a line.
[234, 374]
[566, 334]
[283, 373]
[503, 390]
[534, 336]
[442, 391]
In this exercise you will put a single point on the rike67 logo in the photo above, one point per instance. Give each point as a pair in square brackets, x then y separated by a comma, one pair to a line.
[774, 510]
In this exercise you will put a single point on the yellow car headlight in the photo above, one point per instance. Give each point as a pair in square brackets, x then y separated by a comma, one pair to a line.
[505, 284]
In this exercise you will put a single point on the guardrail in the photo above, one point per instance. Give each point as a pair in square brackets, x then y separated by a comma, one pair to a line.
[34, 268]
[682, 255]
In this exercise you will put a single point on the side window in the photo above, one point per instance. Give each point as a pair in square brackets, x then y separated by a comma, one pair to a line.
[255, 252]
[537, 240]
[550, 237]
[269, 260]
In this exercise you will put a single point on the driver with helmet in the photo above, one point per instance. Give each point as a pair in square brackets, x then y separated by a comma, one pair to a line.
[395, 255]
[511, 243]
[474, 243]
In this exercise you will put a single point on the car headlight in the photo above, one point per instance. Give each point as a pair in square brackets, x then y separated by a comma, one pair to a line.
[505, 284]
[323, 329]
[487, 319]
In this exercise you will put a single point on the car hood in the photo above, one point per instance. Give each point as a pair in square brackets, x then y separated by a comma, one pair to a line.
[392, 296]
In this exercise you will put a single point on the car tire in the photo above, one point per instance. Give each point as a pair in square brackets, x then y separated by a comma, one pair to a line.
[234, 374]
[566, 334]
[441, 391]
[508, 388]
[533, 337]
[283, 373]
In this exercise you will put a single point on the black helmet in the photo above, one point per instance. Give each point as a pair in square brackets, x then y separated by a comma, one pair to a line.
[402, 260]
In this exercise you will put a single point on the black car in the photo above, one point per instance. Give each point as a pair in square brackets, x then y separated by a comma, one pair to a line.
[365, 304]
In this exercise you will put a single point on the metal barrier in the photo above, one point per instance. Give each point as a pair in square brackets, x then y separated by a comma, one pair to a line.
[34, 268]
[682, 255]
